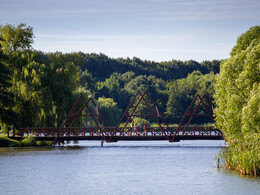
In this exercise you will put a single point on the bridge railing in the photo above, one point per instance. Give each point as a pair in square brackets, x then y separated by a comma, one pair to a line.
[199, 131]
[53, 132]
[151, 131]
[37, 132]
[110, 131]
[170, 131]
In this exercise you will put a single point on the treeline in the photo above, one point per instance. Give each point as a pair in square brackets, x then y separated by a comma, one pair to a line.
[38, 89]
[101, 66]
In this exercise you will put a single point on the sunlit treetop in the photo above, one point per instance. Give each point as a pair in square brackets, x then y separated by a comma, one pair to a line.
[252, 36]
[16, 38]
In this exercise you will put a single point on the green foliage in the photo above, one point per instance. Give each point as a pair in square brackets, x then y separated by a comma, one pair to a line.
[110, 110]
[244, 156]
[237, 99]
[7, 115]
[62, 83]
[101, 66]
[251, 112]
[87, 81]
[113, 87]
[44, 86]
[122, 88]
[44, 143]
[181, 93]
[141, 121]
[251, 37]
[16, 38]
[28, 141]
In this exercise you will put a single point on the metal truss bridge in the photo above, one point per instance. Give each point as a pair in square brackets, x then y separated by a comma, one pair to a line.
[101, 131]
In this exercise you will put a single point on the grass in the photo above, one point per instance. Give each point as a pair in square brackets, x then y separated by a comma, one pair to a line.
[28, 141]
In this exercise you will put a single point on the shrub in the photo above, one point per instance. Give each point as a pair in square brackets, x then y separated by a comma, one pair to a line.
[44, 143]
[29, 141]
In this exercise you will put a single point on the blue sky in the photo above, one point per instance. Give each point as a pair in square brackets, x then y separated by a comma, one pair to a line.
[158, 30]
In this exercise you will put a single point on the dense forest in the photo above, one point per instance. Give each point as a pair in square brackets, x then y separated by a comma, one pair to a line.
[38, 89]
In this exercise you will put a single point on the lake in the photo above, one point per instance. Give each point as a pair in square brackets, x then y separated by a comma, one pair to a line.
[186, 167]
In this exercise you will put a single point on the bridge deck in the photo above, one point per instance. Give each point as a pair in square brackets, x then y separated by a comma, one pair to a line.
[126, 138]
[111, 134]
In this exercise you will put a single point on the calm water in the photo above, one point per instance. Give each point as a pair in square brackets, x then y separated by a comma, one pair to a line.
[187, 167]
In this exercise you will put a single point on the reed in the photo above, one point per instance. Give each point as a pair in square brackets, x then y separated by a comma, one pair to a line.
[244, 156]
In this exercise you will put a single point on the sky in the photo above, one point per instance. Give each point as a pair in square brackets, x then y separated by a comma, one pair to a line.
[156, 30]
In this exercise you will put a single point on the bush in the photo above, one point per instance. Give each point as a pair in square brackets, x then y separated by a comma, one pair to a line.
[29, 141]
[44, 143]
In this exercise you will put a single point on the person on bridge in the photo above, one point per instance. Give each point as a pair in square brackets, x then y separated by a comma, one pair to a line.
[145, 131]
[132, 128]
[135, 128]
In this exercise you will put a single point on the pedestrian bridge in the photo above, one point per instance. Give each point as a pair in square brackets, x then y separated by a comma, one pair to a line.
[172, 134]
[101, 131]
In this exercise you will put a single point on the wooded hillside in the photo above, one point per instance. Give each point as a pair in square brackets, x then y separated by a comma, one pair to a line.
[38, 89]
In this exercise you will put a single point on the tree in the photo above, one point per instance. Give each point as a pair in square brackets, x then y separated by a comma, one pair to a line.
[175, 108]
[235, 81]
[87, 80]
[7, 115]
[110, 110]
[182, 91]
[113, 87]
[16, 41]
[16, 38]
[237, 100]
[44, 86]
[153, 86]
[62, 83]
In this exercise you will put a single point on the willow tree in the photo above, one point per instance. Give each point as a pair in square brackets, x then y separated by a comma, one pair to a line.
[237, 99]
[7, 115]
[44, 85]
[110, 110]
[16, 43]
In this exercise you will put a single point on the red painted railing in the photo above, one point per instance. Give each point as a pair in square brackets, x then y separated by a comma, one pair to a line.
[127, 131]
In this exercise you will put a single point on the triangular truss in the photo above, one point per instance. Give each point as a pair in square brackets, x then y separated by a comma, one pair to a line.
[77, 111]
[150, 105]
[191, 113]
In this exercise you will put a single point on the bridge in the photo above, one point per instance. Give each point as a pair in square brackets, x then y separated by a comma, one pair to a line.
[93, 133]
[101, 131]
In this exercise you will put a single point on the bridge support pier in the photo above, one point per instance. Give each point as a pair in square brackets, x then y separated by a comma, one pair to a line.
[102, 142]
